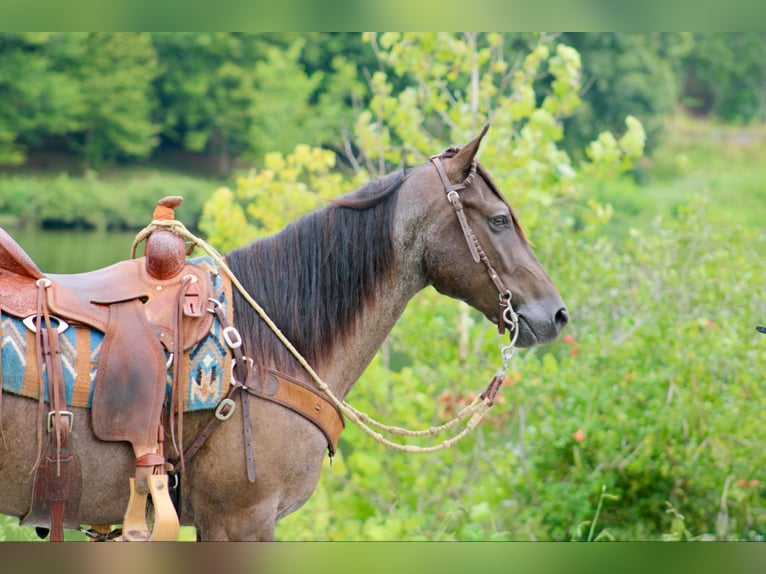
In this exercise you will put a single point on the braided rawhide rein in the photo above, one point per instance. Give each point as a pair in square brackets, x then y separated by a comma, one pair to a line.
[474, 413]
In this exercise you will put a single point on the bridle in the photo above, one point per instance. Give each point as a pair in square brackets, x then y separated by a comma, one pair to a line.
[507, 315]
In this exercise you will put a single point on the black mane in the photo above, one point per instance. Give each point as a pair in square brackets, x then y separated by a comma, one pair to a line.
[315, 275]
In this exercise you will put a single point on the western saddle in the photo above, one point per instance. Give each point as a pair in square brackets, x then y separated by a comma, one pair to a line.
[150, 309]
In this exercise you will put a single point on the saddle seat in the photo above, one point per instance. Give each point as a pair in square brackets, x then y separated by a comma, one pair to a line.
[85, 298]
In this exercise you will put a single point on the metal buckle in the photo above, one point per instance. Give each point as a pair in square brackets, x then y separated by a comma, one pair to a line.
[220, 415]
[29, 323]
[237, 342]
[67, 414]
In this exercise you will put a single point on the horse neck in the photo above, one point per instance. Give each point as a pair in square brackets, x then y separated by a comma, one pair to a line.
[394, 289]
[375, 321]
[339, 351]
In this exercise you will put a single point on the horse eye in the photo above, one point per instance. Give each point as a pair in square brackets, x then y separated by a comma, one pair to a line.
[500, 222]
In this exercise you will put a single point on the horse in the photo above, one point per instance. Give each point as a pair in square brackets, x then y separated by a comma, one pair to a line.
[335, 282]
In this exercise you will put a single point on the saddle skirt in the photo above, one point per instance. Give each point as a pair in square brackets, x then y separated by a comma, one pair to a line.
[208, 361]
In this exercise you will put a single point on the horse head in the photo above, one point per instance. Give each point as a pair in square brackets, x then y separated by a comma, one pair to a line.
[475, 249]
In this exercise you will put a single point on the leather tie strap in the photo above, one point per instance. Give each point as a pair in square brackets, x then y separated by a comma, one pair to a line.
[57, 483]
[176, 394]
[223, 413]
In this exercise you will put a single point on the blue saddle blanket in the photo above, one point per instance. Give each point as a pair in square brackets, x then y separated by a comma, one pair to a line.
[209, 362]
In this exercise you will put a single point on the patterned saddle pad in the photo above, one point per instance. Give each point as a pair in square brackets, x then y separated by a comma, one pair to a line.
[209, 362]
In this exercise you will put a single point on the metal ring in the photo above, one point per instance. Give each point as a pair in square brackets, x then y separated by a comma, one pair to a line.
[234, 380]
[216, 304]
[511, 317]
[29, 323]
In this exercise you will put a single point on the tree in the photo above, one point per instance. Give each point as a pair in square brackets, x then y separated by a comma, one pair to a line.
[625, 71]
[115, 74]
[37, 98]
[290, 108]
[725, 75]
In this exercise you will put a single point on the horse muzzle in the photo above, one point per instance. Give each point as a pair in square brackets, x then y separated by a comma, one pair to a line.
[539, 324]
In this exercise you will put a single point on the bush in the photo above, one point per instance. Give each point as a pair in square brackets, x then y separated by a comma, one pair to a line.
[123, 202]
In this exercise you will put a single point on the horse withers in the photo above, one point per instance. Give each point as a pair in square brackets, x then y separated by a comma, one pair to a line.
[334, 282]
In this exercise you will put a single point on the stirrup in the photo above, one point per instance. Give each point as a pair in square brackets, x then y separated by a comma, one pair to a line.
[166, 525]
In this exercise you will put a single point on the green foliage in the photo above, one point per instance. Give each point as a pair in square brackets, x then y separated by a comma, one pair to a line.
[725, 74]
[241, 95]
[461, 81]
[267, 200]
[648, 400]
[115, 75]
[284, 100]
[121, 96]
[37, 97]
[724, 163]
[625, 71]
[10, 530]
[94, 89]
[97, 202]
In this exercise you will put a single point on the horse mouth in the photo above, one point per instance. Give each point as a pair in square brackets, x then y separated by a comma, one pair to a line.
[531, 333]
[527, 336]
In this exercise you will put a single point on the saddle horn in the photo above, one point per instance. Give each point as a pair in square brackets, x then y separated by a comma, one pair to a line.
[165, 251]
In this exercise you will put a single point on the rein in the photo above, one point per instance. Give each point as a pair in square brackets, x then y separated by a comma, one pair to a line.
[473, 413]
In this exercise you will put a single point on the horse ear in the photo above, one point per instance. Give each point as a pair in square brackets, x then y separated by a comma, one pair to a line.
[459, 165]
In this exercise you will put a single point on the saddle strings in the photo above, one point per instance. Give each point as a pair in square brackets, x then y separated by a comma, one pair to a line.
[474, 413]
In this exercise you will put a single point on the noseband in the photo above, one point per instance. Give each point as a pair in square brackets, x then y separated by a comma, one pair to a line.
[507, 314]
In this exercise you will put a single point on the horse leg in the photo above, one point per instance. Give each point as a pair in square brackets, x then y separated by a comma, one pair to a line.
[253, 523]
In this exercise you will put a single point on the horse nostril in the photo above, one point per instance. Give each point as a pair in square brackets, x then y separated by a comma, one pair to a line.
[561, 317]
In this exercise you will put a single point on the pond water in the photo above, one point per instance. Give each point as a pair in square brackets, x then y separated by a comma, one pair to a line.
[73, 251]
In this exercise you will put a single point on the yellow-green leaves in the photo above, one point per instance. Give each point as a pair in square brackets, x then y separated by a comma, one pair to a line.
[224, 222]
[609, 156]
[266, 200]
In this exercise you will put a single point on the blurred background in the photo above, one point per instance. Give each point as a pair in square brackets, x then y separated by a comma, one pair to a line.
[635, 161]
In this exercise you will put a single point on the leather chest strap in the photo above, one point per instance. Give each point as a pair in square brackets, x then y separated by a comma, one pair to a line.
[304, 400]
